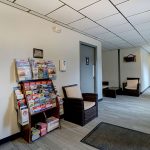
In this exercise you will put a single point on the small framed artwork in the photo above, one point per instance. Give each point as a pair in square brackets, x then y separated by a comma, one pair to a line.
[37, 53]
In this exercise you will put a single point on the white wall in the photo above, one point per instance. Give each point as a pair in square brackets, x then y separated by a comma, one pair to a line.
[130, 69]
[145, 69]
[20, 32]
[110, 67]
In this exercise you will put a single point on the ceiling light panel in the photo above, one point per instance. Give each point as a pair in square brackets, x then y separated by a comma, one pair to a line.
[133, 7]
[83, 24]
[96, 31]
[14, 5]
[65, 15]
[41, 6]
[121, 28]
[99, 10]
[140, 18]
[118, 1]
[114, 20]
[79, 4]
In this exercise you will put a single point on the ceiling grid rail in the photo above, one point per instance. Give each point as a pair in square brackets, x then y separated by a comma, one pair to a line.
[107, 31]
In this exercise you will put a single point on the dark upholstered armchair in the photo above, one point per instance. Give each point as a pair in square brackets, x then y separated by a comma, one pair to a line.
[105, 84]
[79, 108]
[131, 87]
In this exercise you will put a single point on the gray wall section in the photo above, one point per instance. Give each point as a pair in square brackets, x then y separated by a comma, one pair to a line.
[110, 67]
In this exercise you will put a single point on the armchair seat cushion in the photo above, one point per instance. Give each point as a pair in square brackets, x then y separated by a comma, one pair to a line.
[105, 86]
[130, 88]
[88, 104]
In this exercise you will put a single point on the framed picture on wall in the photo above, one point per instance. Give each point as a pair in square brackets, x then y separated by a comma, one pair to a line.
[37, 53]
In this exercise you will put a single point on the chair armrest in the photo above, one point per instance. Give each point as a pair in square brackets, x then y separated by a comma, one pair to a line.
[92, 97]
[75, 103]
[138, 86]
[124, 85]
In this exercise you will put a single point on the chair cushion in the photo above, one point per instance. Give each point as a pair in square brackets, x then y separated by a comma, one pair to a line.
[132, 84]
[73, 92]
[88, 104]
[105, 86]
[130, 88]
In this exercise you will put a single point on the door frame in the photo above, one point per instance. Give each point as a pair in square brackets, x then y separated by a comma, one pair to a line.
[95, 62]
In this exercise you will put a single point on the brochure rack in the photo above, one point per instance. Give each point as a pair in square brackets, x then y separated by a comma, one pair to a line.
[43, 108]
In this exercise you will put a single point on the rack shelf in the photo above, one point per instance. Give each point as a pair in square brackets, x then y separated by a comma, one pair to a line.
[49, 107]
[42, 111]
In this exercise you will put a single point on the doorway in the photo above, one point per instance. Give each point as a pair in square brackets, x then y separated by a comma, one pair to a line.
[87, 68]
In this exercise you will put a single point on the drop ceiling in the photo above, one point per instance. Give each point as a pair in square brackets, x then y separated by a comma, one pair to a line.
[116, 23]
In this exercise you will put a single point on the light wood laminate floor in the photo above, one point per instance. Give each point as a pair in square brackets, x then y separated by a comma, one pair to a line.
[125, 111]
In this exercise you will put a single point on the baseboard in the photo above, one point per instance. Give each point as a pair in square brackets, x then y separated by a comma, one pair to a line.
[144, 90]
[10, 138]
[99, 100]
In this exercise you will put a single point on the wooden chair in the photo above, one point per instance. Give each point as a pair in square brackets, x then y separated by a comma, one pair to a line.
[79, 108]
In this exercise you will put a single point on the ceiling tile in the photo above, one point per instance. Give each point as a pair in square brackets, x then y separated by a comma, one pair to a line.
[140, 18]
[132, 7]
[83, 24]
[147, 47]
[124, 45]
[43, 7]
[121, 28]
[78, 5]
[14, 5]
[106, 36]
[138, 43]
[99, 10]
[129, 34]
[143, 27]
[132, 36]
[96, 31]
[116, 40]
[118, 1]
[65, 15]
[114, 20]
[146, 34]
[108, 45]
